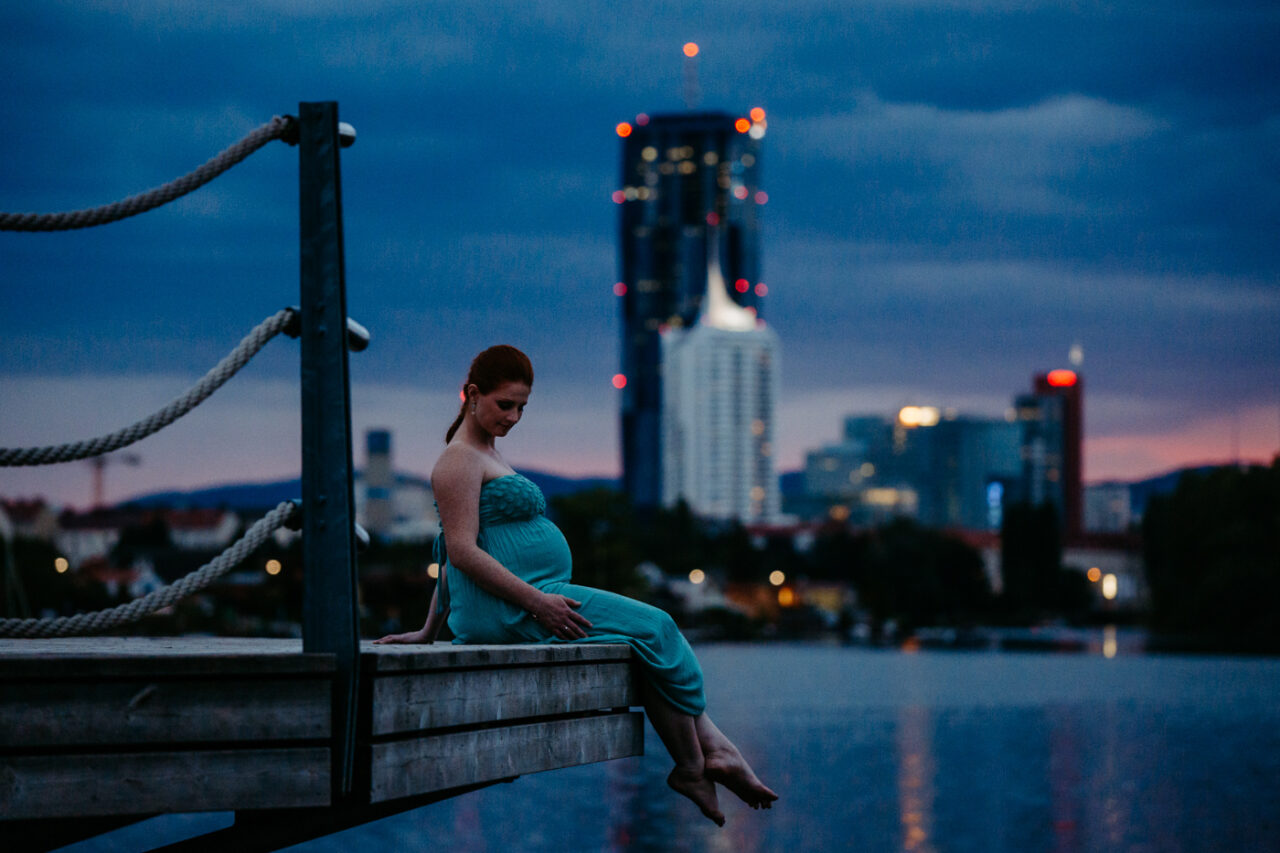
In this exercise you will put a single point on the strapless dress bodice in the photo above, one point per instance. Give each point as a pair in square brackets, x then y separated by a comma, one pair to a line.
[510, 498]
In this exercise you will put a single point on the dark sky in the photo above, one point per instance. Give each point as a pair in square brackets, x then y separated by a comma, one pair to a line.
[958, 192]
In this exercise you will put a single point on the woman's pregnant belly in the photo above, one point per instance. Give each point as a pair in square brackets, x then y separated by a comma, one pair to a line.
[533, 550]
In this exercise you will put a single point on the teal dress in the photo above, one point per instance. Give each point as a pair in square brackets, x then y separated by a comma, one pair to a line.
[517, 533]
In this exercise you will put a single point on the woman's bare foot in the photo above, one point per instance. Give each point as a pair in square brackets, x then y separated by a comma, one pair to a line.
[726, 766]
[697, 787]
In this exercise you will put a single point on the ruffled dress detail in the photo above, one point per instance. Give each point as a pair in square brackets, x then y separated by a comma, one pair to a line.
[515, 531]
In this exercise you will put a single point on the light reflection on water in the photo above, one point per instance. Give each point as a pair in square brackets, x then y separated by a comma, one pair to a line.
[932, 751]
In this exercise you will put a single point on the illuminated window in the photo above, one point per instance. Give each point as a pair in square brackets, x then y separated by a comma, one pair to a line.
[648, 154]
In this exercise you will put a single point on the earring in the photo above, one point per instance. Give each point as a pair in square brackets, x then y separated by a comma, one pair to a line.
[473, 407]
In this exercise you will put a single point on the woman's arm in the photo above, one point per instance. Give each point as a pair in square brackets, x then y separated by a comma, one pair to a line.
[456, 481]
[429, 631]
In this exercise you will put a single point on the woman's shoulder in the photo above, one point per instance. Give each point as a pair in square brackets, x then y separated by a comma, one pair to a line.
[457, 464]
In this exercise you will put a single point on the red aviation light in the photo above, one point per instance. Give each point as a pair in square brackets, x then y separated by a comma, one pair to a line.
[623, 129]
[620, 289]
[618, 196]
[1061, 378]
[619, 381]
[690, 49]
[713, 218]
[742, 125]
[741, 285]
[757, 114]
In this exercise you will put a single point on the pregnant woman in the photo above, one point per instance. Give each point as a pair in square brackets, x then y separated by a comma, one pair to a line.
[505, 578]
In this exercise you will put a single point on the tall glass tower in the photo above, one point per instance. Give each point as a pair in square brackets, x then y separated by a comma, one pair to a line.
[690, 185]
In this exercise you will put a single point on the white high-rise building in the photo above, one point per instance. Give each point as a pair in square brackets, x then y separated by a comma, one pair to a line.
[719, 392]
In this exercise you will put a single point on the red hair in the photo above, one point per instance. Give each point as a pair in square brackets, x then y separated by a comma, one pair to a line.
[495, 366]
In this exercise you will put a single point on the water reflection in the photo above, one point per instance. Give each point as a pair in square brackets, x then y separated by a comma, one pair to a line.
[876, 751]
[916, 768]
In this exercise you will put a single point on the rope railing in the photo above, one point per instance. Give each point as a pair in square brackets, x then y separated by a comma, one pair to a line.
[197, 394]
[103, 620]
[280, 127]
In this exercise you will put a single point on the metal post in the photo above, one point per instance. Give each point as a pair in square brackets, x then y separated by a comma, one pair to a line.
[329, 621]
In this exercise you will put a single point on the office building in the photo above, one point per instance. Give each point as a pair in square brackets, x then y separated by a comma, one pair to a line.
[689, 189]
[1052, 417]
[940, 468]
[720, 381]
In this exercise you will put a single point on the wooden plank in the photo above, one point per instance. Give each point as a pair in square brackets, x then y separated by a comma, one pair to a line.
[440, 699]
[156, 657]
[453, 656]
[420, 765]
[73, 713]
[42, 786]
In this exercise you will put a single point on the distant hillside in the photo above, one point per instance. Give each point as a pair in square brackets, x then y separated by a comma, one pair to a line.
[1142, 491]
[262, 496]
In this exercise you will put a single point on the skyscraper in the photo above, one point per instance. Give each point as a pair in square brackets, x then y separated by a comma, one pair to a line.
[719, 392]
[1068, 386]
[688, 180]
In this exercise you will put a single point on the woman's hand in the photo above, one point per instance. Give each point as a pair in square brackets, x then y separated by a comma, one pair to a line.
[419, 636]
[556, 613]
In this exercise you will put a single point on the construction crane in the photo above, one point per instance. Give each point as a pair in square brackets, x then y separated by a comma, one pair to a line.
[100, 463]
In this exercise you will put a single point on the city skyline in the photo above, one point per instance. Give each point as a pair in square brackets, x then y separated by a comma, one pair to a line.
[956, 195]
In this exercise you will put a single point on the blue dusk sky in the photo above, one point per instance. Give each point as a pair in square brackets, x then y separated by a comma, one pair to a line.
[958, 193]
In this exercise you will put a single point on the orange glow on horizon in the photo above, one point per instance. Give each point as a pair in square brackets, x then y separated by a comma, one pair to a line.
[742, 125]
[690, 49]
[1061, 378]
[623, 129]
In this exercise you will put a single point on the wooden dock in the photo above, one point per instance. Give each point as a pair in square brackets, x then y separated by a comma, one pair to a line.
[97, 732]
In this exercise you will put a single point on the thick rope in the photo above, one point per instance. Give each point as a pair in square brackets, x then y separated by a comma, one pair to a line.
[276, 128]
[102, 620]
[212, 381]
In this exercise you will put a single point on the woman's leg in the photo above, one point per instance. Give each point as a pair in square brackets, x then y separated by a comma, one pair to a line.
[679, 734]
[723, 763]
